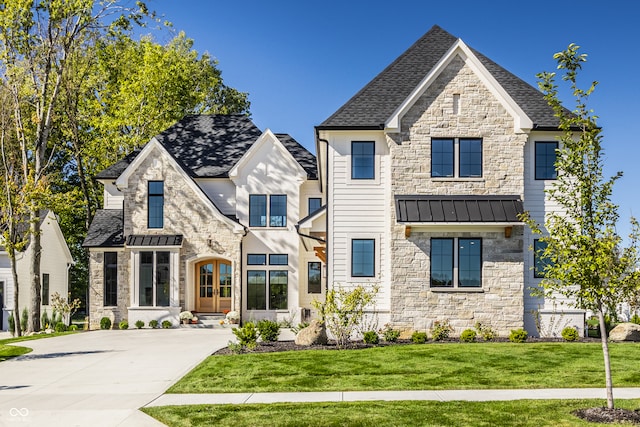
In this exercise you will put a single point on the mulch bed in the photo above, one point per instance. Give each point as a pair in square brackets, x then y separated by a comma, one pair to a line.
[609, 416]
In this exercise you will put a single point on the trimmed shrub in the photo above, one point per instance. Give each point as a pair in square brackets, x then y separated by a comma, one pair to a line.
[518, 335]
[166, 324]
[139, 324]
[441, 330]
[390, 334]
[153, 324]
[419, 337]
[124, 324]
[570, 334]
[105, 323]
[60, 327]
[73, 328]
[468, 335]
[24, 319]
[12, 324]
[268, 330]
[485, 332]
[371, 337]
[247, 335]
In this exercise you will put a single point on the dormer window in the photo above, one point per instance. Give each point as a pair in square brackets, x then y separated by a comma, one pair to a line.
[155, 204]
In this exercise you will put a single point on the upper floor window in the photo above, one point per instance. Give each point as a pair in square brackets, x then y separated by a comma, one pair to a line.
[257, 210]
[278, 211]
[456, 262]
[155, 204]
[315, 203]
[546, 160]
[363, 160]
[362, 258]
[278, 259]
[467, 151]
[256, 259]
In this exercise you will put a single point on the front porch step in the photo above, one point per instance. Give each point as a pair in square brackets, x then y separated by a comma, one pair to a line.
[208, 320]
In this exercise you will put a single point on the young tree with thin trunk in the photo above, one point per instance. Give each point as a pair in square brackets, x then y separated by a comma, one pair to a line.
[586, 261]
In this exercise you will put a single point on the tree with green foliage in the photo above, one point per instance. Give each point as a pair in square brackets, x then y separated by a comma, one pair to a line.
[586, 260]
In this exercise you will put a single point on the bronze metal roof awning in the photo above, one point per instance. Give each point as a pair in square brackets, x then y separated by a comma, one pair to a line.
[154, 240]
[418, 209]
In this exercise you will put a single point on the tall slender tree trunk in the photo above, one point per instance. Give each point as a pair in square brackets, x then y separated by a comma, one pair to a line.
[35, 255]
[607, 361]
[16, 292]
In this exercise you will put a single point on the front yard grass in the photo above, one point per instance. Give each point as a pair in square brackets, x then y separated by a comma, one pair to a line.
[417, 367]
[9, 351]
[521, 413]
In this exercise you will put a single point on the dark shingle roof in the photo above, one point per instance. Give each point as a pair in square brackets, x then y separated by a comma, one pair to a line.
[376, 102]
[116, 169]
[301, 154]
[154, 240]
[106, 229]
[435, 209]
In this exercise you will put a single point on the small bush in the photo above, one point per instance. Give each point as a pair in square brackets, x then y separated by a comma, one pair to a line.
[73, 328]
[389, 334]
[153, 324]
[635, 319]
[268, 330]
[441, 330]
[485, 332]
[371, 337]
[468, 335]
[139, 324]
[12, 324]
[234, 347]
[124, 324]
[518, 335]
[24, 319]
[247, 335]
[570, 334]
[60, 327]
[44, 320]
[166, 324]
[105, 323]
[419, 337]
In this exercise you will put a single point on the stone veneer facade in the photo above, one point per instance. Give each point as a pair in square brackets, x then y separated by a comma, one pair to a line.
[499, 303]
[184, 213]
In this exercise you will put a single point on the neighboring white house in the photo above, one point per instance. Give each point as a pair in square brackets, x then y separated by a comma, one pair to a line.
[417, 189]
[54, 269]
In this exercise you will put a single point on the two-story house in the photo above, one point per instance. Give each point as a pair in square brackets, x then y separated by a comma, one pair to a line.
[425, 171]
[417, 189]
[206, 218]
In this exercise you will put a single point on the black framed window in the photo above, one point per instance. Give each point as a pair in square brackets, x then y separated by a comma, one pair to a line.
[155, 204]
[470, 157]
[278, 210]
[110, 279]
[257, 210]
[45, 288]
[540, 262]
[314, 278]
[546, 159]
[315, 203]
[256, 290]
[362, 258]
[363, 160]
[456, 262]
[278, 289]
[442, 157]
[278, 259]
[256, 259]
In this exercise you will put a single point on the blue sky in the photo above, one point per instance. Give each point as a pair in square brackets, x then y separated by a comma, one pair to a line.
[301, 60]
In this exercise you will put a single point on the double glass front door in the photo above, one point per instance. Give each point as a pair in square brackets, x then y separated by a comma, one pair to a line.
[213, 282]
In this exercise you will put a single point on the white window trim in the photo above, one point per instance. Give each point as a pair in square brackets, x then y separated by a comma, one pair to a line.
[174, 275]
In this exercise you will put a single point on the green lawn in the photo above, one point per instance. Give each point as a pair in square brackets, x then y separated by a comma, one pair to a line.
[522, 413]
[417, 367]
[9, 351]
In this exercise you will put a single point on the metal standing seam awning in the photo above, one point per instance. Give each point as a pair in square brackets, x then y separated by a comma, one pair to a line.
[148, 240]
[421, 210]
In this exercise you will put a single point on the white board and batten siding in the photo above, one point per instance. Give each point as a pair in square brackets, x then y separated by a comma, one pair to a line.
[358, 209]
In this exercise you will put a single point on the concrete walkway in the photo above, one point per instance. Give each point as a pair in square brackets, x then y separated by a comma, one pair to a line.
[351, 396]
[99, 378]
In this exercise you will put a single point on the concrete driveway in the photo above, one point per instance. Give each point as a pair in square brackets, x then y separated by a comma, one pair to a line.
[99, 378]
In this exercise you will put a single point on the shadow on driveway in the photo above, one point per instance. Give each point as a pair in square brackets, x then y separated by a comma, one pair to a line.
[56, 355]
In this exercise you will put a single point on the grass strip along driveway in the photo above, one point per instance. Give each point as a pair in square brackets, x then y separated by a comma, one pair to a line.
[417, 367]
[9, 351]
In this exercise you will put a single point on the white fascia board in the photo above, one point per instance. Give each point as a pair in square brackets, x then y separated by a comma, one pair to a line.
[522, 123]
[308, 223]
[123, 181]
[266, 136]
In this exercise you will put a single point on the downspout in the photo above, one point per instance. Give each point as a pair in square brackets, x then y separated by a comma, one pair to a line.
[327, 203]
[246, 231]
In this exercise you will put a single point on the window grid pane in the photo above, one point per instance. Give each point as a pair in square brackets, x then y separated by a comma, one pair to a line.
[315, 203]
[362, 160]
[278, 211]
[155, 204]
[545, 160]
[469, 263]
[278, 280]
[146, 279]
[278, 259]
[314, 278]
[257, 210]
[45, 289]
[470, 157]
[442, 157]
[442, 262]
[225, 280]
[256, 259]
[162, 279]
[256, 290]
[362, 258]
